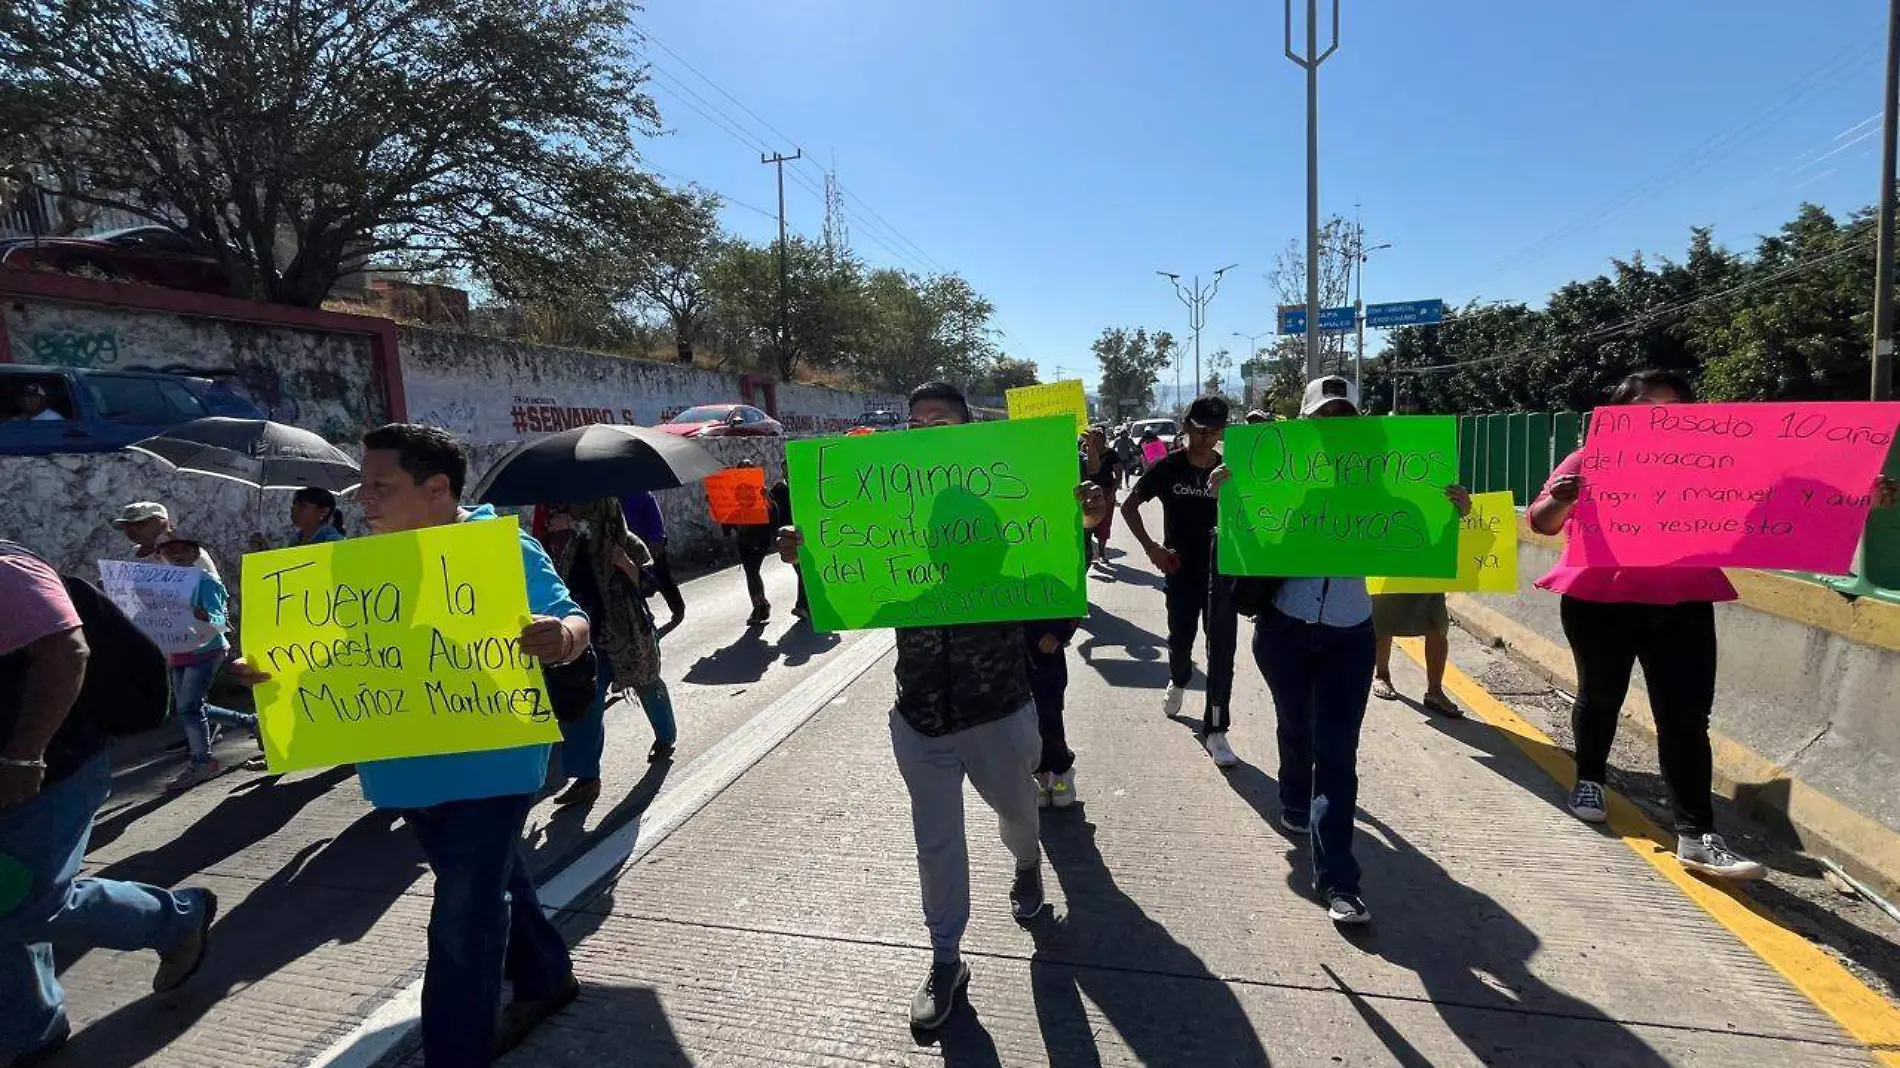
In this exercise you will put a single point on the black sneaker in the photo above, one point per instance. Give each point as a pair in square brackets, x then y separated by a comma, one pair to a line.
[1296, 822]
[1346, 909]
[518, 1019]
[181, 962]
[1025, 894]
[937, 998]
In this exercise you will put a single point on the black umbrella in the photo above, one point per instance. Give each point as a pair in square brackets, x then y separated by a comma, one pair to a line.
[591, 462]
[256, 452]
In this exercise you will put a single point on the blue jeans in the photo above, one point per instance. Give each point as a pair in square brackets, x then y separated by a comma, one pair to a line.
[484, 924]
[1320, 677]
[584, 740]
[47, 837]
[195, 715]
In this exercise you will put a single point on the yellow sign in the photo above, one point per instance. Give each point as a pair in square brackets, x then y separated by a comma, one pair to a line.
[1056, 398]
[394, 646]
[1487, 553]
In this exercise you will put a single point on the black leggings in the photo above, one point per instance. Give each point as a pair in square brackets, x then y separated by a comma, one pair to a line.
[1676, 645]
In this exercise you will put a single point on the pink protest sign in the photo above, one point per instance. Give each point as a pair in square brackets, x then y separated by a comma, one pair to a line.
[1153, 452]
[1729, 485]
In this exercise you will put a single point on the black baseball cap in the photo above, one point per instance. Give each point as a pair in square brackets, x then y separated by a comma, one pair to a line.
[1208, 412]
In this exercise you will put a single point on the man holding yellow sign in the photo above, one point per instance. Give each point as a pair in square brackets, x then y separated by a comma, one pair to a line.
[463, 630]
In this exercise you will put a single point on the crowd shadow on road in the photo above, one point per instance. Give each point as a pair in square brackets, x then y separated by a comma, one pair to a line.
[1472, 956]
[605, 1025]
[330, 892]
[1145, 666]
[1157, 994]
[747, 659]
[1755, 822]
[963, 1042]
[565, 834]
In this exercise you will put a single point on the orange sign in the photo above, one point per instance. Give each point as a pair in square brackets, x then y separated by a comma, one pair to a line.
[736, 497]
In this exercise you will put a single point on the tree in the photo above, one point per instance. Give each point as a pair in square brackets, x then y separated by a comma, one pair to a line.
[918, 329]
[672, 278]
[1131, 364]
[824, 303]
[294, 140]
[1218, 364]
[1006, 373]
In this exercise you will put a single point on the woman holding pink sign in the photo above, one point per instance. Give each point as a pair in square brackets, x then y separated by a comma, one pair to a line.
[1661, 617]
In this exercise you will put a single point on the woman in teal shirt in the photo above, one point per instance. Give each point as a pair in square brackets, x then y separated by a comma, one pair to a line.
[314, 517]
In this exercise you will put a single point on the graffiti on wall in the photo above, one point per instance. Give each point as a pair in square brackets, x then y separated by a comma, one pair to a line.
[73, 348]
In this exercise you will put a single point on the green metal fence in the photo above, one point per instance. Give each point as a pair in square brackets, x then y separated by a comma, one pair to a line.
[1516, 451]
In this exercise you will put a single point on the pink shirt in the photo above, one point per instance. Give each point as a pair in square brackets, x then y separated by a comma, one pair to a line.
[36, 602]
[1630, 585]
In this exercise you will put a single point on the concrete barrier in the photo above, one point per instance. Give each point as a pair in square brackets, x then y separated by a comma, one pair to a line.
[1804, 730]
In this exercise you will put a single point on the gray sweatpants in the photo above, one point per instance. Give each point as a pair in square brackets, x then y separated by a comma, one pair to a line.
[999, 758]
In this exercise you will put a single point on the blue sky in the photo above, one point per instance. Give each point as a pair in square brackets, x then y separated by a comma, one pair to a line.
[1058, 152]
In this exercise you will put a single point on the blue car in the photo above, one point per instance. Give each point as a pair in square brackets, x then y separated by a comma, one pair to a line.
[47, 410]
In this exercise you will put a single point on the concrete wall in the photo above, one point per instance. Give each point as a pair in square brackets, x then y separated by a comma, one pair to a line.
[1803, 725]
[490, 391]
[321, 381]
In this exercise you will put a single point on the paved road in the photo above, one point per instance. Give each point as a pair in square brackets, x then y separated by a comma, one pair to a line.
[762, 910]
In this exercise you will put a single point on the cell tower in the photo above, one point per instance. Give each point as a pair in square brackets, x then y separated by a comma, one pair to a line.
[837, 236]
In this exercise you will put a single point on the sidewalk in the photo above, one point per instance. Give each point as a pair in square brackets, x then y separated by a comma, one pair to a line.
[781, 926]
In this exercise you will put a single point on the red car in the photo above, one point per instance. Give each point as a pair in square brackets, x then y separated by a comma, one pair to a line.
[723, 421]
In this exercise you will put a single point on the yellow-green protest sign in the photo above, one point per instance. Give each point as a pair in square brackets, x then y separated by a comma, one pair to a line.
[398, 645]
[966, 524]
[1359, 495]
[1056, 398]
[1487, 553]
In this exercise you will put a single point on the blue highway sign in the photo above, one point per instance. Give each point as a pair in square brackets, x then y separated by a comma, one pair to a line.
[1331, 320]
[1405, 313]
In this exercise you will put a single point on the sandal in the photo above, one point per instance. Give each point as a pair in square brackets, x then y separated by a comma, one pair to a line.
[1383, 690]
[1442, 705]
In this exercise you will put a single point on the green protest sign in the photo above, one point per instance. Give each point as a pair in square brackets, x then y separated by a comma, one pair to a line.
[927, 528]
[1336, 497]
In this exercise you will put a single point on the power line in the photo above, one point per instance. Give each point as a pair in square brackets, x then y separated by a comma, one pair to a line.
[1615, 330]
[894, 240]
[1697, 158]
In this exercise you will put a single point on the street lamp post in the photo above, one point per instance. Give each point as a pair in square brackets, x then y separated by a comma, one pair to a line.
[1197, 300]
[1253, 356]
[1310, 61]
[1359, 309]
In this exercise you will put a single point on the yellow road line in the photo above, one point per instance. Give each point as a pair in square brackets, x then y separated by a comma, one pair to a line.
[1863, 1013]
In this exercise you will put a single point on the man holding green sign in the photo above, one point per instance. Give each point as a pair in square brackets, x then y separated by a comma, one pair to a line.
[953, 534]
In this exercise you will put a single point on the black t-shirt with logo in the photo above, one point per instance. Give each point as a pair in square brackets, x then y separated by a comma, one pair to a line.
[1188, 510]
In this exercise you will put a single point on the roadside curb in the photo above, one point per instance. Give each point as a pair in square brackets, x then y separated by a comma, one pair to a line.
[1866, 847]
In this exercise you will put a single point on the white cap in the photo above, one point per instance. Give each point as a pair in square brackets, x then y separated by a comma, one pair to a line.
[139, 512]
[1323, 391]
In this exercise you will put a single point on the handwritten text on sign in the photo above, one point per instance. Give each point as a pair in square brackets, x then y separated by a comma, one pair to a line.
[1487, 553]
[158, 598]
[1729, 485]
[1339, 497]
[1056, 398]
[736, 497]
[964, 524]
[394, 646]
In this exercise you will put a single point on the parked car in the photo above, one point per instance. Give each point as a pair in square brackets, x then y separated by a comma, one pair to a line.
[65, 409]
[153, 255]
[723, 420]
[882, 420]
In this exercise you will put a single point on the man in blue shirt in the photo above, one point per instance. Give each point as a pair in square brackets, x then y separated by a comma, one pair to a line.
[468, 809]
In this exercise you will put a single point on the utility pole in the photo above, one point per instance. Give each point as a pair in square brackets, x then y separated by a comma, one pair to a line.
[1310, 62]
[779, 160]
[1883, 255]
[1253, 357]
[1197, 300]
[1359, 303]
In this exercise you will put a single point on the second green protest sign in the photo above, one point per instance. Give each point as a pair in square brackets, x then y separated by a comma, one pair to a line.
[1341, 497]
[928, 528]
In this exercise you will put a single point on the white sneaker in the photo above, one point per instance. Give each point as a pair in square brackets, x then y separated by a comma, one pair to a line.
[1347, 909]
[1042, 789]
[1710, 856]
[195, 772]
[1062, 788]
[1171, 701]
[1217, 747]
[1586, 802]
